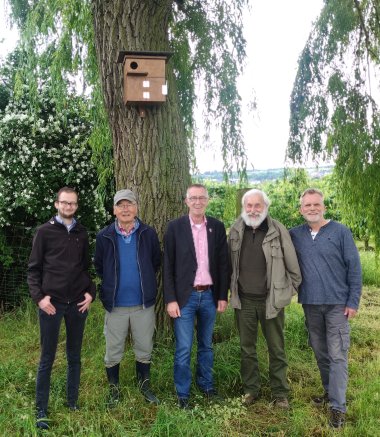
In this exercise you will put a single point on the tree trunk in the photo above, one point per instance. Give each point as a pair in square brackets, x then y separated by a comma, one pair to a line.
[150, 153]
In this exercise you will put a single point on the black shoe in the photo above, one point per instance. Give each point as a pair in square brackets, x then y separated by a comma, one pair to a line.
[113, 396]
[148, 394]
[143, 379]
[320, 401]
[337, 418]
[183, 403]
[72, 406]
[213, 396]
[42, 420]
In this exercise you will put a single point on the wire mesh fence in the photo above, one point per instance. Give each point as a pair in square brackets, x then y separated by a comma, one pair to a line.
[15, 247]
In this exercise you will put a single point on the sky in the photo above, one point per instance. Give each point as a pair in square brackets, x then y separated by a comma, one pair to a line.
[276, 32]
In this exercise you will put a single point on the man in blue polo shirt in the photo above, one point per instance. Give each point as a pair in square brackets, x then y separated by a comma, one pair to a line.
[330, 293]
[127, 259]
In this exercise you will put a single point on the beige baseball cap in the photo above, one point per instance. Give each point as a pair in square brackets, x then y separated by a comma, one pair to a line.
[124, 195]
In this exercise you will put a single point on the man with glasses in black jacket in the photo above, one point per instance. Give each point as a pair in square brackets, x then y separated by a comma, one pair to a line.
[61, 286]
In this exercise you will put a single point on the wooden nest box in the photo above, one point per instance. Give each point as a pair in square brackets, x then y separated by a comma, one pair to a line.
[144, 75]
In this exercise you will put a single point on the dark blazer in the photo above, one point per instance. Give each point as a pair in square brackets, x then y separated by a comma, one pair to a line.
[180, 263]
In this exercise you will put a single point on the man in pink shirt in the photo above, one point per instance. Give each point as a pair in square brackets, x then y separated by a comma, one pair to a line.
[195, 286]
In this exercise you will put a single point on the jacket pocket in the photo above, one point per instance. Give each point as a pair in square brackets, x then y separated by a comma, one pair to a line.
[283, 292]
[276, 250]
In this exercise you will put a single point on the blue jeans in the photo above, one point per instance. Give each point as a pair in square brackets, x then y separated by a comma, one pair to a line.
[329, 336]
[49, 332]
[202, 307]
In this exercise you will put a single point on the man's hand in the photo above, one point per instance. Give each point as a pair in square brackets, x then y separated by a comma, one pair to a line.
[222, 306]
[350, 313]
[46, 306]
[85, 304]
[173, 310]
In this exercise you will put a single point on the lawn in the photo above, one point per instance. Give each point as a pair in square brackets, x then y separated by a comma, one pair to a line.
[19, 345]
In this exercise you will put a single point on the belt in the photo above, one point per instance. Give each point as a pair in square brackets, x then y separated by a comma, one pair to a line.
[201, 287]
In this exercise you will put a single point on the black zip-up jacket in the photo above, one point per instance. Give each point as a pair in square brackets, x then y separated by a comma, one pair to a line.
[58, 263]
[107, 263]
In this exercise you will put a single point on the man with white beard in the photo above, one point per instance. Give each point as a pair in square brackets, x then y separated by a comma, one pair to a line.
[264, 276]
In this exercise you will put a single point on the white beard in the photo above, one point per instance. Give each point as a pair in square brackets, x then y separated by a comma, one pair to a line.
[254, 219]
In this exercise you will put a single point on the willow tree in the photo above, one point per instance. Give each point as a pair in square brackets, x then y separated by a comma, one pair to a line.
[334, 105]
[151, 155]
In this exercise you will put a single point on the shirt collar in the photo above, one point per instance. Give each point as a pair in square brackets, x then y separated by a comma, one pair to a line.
[123, 231]
[204, 223]
[70, 226]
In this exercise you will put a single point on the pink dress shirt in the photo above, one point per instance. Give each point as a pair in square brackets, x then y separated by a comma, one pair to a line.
[202, 276]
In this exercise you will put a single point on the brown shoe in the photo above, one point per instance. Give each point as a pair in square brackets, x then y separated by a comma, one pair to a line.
[337, 418]
[249, 399]
[282, 403]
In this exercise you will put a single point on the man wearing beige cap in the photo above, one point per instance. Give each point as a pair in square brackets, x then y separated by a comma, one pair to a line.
[127, 259]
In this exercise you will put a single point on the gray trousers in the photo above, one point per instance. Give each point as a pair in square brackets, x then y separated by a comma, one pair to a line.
[116, 327]
[329, 336]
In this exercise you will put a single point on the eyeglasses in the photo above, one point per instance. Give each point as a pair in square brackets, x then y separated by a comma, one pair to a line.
[126, 205]
[194, 199]
[64, 203]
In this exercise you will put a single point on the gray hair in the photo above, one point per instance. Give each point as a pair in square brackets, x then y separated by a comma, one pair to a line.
[196, 186]
[255, 191]
[311, 191]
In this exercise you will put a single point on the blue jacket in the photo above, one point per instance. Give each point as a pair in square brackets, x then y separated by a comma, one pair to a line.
[107, 263]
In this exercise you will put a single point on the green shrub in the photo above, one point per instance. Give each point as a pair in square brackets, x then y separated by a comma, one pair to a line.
[41, 151]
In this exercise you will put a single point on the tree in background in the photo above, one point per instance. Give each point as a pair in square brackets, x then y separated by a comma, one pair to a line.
[334, 106]
[284, 195]
[151, 155]
[222, 204]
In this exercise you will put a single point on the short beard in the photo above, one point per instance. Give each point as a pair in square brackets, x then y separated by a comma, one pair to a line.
[254, 220]
[67, 216]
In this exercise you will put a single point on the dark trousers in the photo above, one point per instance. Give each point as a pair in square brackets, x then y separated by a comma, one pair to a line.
[248, 318]
[49, 331]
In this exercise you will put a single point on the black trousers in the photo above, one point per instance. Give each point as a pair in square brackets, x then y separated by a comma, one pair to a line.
[49, 330]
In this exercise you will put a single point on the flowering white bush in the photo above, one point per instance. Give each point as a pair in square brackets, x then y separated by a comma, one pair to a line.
[42, 151]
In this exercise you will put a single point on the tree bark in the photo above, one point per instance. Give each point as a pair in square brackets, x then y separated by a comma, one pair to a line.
[150, 154]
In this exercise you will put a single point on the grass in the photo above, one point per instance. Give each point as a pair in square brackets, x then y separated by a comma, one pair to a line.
[370, 267]
[19, 345]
